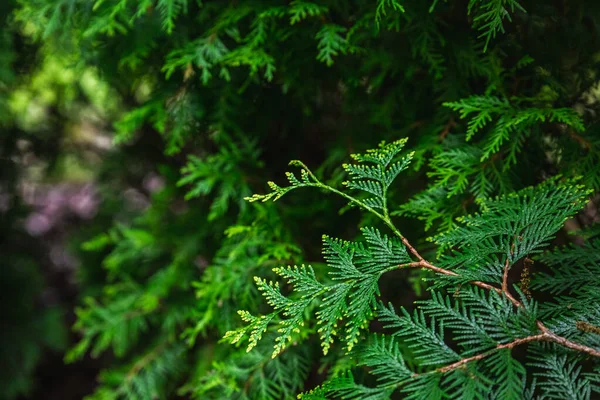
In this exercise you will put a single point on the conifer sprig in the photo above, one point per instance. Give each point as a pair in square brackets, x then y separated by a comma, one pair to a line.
[487, 320]
[351, 294]
[373, 174]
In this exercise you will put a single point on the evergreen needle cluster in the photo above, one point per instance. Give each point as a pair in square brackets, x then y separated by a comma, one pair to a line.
[459, 341]
[463, 262]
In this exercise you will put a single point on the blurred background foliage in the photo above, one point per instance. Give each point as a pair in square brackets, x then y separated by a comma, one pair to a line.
[130, 131]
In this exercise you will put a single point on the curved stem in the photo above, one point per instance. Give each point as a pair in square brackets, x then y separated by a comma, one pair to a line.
[546, 335]
[384, 217]
[510, 345]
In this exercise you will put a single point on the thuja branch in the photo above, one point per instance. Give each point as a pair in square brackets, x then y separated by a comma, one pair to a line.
[422, 263]
[308, 179]
[510, 345]
[546, 335]
[313, 181]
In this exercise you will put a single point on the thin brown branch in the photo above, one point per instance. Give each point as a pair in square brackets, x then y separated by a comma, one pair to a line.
[553, 337]
[572, 345]
[427, 265]
[510, 345]
[416, 264]
[416, 124]
[579, 139]
[145, 361]
[449, 125]
[505, 281]
[546, 334]
[505, 275]
[412, 249]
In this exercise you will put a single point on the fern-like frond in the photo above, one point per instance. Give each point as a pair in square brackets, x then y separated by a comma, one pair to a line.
[331, 43]
[510, 122]
[564, 278]
[277, 192]
[464, 322]
[153, 372]
[373, 174]
[508, 375]
[383, 5]
[354, 268]
[118, 326]
[425, 387]
[203, 53]
[458, 345]
[430, 206]
[562, 379]
[300, 10]
[483, 109]
[220, 174]
[169, 10]
[425, 338]
[383, 356]
[510, 228]
[491, 15]
[345, 387]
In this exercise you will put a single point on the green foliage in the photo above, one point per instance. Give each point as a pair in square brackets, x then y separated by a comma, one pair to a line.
[218, 171]
[383, 5]
[483, 317]
[331, 43]
[491, 15]
[587, 257]
[153, 373]
[373, 174]
[450, 257]
[355, 270]
[512, 124]
[23, 346]
[563, 379]
[300, 10]
[253, 375]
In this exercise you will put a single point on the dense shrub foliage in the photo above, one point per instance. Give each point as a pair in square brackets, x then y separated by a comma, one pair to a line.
[458, 258]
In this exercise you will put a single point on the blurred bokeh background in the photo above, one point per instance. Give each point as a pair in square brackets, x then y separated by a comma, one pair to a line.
[58, 187]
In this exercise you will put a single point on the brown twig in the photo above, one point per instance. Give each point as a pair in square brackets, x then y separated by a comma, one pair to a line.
[144, 361]
[510, 345]
[505, 289]
[413, 251]
[427, 265]
[553, 337]
[505, 275]
[579, 139]
[546, 335]
[449, 125]
[416, 124]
